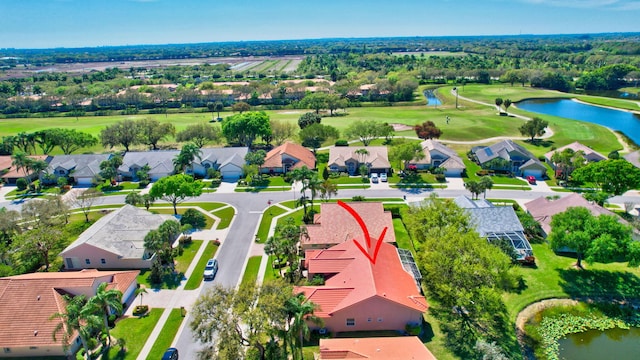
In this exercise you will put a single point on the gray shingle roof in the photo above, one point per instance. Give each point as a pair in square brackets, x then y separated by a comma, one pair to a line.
[122, 231]
[501, 149]
[84, 165]
[223, 156]
[160, 162]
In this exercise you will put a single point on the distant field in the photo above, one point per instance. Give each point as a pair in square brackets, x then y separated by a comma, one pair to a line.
[469, 122]
[430, 53]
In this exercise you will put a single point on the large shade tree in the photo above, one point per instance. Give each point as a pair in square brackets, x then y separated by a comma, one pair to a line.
[200, 134]
[613, 176]
[245, 128]
[534, 127]
[176, 189]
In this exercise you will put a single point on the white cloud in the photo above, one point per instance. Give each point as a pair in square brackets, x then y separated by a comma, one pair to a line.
[588, 4]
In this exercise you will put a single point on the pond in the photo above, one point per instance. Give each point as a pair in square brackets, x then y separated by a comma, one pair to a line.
[432, 100]
[626, 122]
[618, 344]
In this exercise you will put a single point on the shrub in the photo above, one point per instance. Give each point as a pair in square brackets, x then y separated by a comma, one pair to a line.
[357, 198]
[143, 184]
[440, 178]
[140, 310]
[112, 320]
[342, 142]
[21, 184]
[322, 157]
[194, 218]
[482, 173]
[413, 329]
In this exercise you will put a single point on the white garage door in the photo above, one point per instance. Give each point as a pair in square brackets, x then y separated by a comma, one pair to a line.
[536, 173]
[231, 174]
[84, 181]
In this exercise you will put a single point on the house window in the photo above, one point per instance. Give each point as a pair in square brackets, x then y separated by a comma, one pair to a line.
[351, 322]
[33, 348]
[103, 261]
[87, 261]
[379, 319]
[61, 172]
[7, 350]
[207, 165]
[369, 319]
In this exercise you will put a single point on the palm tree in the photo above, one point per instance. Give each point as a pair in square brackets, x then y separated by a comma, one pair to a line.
[302, 175]
[314, 185]
[140, 291]
[76, 317]
[104, 302]
[328, 189]
[474, 187]
[185, 158]
[20, 160]
[299, 311]
[486, 184]
[363, 154]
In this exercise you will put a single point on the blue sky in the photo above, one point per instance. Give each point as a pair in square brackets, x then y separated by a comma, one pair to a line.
[79, 23]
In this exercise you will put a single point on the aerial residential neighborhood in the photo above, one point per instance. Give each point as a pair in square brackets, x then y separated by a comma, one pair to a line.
[180, 181]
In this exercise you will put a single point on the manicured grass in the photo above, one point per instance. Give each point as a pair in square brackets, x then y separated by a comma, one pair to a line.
[363, 186]
[267, 217]
[225, 215]
[473, 168]
[125, 185]
[349, 180]
[297, 215]
[196, 277]
[554, 276]
[402, 236]
[251, 271]
[181, 210]
[261, 189]
[206, 206]
[603, 101]
[24, 193]
[413, 178]
[270, 273]
[169, 331]
[136, 331]
[172, 281]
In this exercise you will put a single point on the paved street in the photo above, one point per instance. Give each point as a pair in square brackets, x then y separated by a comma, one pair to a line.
[239, 238]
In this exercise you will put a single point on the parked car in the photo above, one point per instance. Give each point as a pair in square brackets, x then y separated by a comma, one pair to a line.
[531, 179]
[211, 269]
[170, 354]
[374, 178]
[383, 177]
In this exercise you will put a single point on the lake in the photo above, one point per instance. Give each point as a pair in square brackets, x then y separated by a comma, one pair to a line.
[626, 122]
[614, 344]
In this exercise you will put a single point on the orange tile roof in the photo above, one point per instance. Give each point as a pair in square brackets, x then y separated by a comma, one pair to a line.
[5, 163]
[387, 348]
[385, 279]
[304, 155]
[29, 300]
[341, 227]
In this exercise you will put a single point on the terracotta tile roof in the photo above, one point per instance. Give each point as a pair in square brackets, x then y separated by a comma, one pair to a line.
[543, 210]
[305, 156]
[387, 348]
[385, 279]
[29, 300]
[13, 173]
[339, 227]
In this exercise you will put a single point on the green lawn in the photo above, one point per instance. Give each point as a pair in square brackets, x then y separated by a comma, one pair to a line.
[267, 217]
[136, 331]
[554, 276]
[349, 180]
[181, 210]
[225, 215]
[270, 273]
[171, 281]
[251, 271]
[402, 236]
[196, 277]
[169, 331]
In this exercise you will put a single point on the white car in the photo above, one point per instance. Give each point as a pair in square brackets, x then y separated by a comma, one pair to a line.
[374, 178]
[383, 177]
[211, 269]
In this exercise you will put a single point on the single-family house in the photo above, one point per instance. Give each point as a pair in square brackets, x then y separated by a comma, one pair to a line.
[375, 348]
[115, 241]
[589, 154]
[633, 158]
[160, 163]
[360, 294]
[333, 225]
[498, 223]
[509, 156]
[288, 156]
[84, 169]
[543, 209]
[437, 155]
[229, 161]
[349, 159]
[29, 300]
[10, 174]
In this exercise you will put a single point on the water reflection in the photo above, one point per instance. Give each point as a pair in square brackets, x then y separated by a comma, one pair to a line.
[619, 344]
[432, 100]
